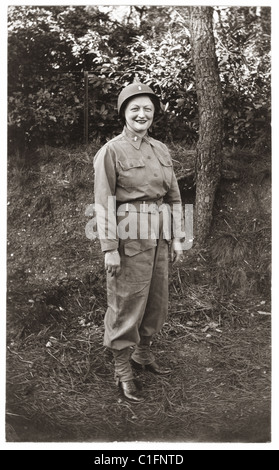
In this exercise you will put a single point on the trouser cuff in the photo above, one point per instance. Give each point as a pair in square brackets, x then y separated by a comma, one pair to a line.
[142, 353]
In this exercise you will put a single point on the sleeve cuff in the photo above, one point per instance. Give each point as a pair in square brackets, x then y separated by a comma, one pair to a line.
[108, 245]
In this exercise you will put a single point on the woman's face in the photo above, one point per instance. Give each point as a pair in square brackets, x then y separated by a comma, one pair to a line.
[139, 113]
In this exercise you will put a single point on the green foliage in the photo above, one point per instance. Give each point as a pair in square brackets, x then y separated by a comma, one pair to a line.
[51, 47]
[47, 56]
[243, 50]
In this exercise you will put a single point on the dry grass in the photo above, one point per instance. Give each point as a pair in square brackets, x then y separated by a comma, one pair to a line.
[65, 391]
[60, 378]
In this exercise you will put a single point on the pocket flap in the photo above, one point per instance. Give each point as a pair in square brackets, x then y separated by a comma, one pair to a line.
[129, 164]
[134, 247]
[165, 160]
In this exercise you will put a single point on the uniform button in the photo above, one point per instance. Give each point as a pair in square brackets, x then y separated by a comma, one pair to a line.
[135, 138]
[156, 175]
[168, 162]
[149, 158]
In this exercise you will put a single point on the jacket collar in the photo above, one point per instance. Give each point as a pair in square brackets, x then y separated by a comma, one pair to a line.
[134, 138]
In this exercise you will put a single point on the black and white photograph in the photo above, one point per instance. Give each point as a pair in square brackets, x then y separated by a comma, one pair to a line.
[138, 207]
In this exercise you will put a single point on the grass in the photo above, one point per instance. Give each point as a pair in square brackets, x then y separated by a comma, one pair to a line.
[217, 338]
[63, 390]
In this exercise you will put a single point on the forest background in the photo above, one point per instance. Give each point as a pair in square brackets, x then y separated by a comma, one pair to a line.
[56, 46]
[219, 327]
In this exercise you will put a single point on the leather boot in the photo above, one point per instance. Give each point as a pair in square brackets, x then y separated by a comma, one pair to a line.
[124, 375]
[153, 367]
[130, 391]
[143, 358]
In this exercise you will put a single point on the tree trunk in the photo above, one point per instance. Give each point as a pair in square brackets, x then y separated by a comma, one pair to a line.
[209, 94]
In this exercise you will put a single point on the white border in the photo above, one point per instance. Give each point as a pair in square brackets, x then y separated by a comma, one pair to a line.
[274, 445]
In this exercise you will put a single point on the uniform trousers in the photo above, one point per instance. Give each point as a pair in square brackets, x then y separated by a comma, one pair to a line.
[138, 297]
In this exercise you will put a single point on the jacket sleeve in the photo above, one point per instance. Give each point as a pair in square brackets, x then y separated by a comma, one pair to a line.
[173, 198]
[105, 200]
[173, 195]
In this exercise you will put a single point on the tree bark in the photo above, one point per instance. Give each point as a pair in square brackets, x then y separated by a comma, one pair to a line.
[209, 94]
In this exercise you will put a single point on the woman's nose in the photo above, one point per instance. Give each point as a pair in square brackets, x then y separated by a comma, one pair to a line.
[141, 112]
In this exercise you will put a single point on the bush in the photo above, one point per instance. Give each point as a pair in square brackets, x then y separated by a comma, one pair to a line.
[51, 47]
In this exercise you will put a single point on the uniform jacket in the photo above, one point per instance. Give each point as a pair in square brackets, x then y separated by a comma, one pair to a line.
[132, 168]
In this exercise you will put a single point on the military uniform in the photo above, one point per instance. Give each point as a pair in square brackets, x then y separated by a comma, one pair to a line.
[135, 170]
[138, 172]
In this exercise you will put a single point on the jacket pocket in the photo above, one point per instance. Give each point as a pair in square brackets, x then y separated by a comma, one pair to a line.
[131, 173]
[167, 168]
[129, 164]
[138, 260]
[165, 160]
[135, 247]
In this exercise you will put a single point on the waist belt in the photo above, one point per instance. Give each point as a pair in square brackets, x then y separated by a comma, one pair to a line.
[147, 207]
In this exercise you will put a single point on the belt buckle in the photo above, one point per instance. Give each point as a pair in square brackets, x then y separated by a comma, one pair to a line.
[151, 208]
[143, 205]
[154, 208]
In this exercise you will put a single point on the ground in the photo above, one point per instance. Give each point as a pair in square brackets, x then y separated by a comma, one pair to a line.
[216, 340]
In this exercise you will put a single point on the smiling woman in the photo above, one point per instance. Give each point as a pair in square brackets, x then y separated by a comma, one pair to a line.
[137, 171]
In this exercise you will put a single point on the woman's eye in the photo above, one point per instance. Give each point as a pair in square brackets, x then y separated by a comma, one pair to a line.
[135, 110]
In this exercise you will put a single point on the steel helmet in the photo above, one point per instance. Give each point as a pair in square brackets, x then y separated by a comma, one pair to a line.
[132, 90]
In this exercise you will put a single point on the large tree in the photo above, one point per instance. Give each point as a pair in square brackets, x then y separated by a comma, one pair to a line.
[209, 94]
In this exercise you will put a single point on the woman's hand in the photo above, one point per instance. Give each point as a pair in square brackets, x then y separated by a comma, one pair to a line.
[113, 262]
[177, 254]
